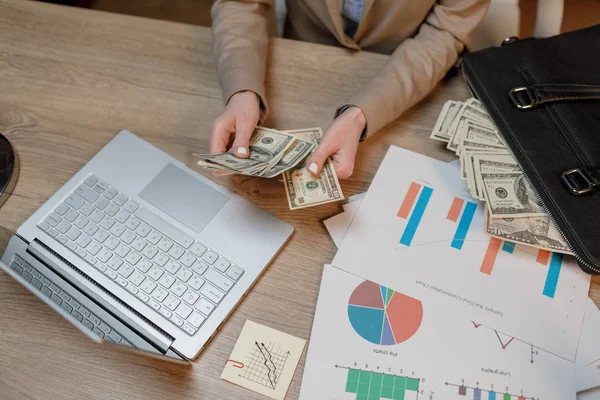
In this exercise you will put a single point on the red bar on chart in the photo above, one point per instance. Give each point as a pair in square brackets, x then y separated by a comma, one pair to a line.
[521, 398]
[490, 256]
[543, 256]
[462, 391]
[409, 200]
[455, 208]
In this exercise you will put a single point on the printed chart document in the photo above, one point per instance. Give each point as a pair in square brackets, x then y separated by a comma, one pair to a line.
[264, 360]
[420, 232]
[371, 342]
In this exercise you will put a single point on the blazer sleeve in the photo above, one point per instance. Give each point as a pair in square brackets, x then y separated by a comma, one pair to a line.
[240, 44]
[419, 63]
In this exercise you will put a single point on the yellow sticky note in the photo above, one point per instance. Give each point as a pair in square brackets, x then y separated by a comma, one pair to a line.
[264, 360]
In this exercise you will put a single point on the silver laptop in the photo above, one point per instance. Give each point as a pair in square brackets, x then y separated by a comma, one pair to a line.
[139, 250]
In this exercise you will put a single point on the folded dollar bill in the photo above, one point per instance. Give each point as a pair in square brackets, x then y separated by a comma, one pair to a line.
[271, 153]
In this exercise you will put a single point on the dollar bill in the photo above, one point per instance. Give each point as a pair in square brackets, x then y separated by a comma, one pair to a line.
[509, 195]
[441, 128]
[302, 188]
[538, 232]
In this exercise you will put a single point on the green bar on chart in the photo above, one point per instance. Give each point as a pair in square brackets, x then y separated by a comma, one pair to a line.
[352, 381]
[387, 388]
[375, 390]
[399, 387]
[364, 382]
[507, 397]
[412, 384]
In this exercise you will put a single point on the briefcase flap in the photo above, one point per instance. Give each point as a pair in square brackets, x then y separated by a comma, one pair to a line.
[544, 96]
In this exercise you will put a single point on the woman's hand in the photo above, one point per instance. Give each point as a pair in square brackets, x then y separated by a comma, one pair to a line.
[340, 142]
[238, 120]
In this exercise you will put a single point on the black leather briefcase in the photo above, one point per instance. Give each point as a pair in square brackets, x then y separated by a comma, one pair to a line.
[544, 96]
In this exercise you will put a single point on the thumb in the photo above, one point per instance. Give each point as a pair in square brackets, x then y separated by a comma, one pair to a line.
[243, 131]
[315, 163]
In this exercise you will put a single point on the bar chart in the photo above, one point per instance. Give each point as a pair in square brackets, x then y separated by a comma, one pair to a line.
[543, 256]
[421, 194]
[475, 393]
[468, 212]
[370, 385]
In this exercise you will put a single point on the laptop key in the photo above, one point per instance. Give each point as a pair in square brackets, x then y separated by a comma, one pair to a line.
[91, 180]
[190, 297]
[99, 333]
[154, 304]
[36, 273]
[165, 313]
[137, 278]
[132, 223]
[126, 270]
[199, 267]
[131, 206]
[101, 203]
[44, 226]
[128, 237]
[87, 209]
[111, 274]
[86, 193]
[52, 219]
[111, 243]
[188, 259]
[62, 239]
[218, 280]
[171, 302]
[105, 328]
[63, 226]
[37, 284]
[205, 306]
[66, 307]
[132, 289]
[222, 264]
[165, 244]
[160, 294]
[149, 252]
[143, 296]
[61, 209]
[97, 216]
[234, 272]
[91, 229]
[110, 193]
[77, 316]
[184, 274]
[189, 330]
[176, 252]
[73, 233]
[47, 291]
[212, 293]
[172, 267]
[121, 281]
[148, 286]
[27, 276]
[143, 230]
[120, 199]
[74, 201]
[176, 320]
[144, 265]
[83, 240]
[71, 215]
[154, 237]
[75, 304]
[179, 288]
[197, 249]
[210, 257]
[95, 320]
[167, 281]
[114, 263]
[133, 258]
[184, 310]
[111, 210]
[115, 336]
[196, 282]
[88, 324]
[196, 320]
[56, 299]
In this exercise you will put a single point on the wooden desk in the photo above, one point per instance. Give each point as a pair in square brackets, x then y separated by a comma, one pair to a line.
[70, 79]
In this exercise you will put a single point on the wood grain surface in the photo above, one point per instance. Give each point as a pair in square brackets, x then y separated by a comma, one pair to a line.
[70, 79]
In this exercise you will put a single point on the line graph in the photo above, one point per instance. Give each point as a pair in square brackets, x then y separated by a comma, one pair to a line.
[265, 364]
[503, 343]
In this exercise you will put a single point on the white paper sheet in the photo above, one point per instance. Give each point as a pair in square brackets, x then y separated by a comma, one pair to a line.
[514, 294]
[433, 354]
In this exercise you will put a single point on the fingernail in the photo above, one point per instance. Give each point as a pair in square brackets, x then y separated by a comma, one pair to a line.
[242, 150]
[313, 168]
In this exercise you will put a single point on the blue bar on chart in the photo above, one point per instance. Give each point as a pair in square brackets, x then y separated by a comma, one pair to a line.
[463, 226]
[476, 394]
[509, 247]
[553, 274]
[415, 217]
[492, 396]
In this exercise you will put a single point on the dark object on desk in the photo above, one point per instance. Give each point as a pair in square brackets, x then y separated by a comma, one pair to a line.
[544, 96]
[8, 169]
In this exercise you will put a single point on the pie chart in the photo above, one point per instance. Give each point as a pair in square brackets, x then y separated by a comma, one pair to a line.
[382, 316]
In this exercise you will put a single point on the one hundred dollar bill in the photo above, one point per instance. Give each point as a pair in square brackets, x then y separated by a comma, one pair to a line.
[537, 232]
[509, 195]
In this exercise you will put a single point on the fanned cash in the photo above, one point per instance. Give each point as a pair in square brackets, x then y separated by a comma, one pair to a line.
[271, 153]
[302, 188]
[513, 210]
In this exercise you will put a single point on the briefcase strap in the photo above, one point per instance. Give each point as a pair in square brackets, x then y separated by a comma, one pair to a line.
[527, 97]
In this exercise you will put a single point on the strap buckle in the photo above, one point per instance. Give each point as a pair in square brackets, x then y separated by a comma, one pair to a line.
[522, 98]
[578, 181]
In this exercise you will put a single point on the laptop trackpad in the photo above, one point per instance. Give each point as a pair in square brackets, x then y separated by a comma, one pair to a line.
[183, 197]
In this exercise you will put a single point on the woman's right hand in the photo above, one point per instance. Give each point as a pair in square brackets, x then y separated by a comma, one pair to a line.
[238, 120]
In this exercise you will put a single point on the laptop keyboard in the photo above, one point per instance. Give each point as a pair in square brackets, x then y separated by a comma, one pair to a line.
[59, 296]
[180, 278]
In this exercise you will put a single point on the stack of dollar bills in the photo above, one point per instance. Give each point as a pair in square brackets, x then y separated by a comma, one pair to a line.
[514, 211]
[274, 153]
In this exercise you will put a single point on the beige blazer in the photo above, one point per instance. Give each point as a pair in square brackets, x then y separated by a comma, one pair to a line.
[424, 37]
